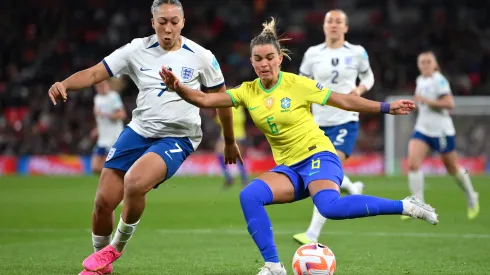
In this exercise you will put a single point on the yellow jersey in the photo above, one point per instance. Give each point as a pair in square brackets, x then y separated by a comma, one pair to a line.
[239, 120]
[283, 114]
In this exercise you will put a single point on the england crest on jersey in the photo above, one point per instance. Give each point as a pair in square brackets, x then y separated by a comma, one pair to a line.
[348, 60]
[186, 73]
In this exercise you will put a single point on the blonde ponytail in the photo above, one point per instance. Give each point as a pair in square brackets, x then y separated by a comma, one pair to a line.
[269, 36]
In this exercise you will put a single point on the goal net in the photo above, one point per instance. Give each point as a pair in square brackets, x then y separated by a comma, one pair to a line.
[471, 118]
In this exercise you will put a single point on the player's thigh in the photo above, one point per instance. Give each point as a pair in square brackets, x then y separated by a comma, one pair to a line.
[418, 148]
[148, 171]
[110, 189]
[281, 187]
[160, 162]
[321, 171]
[450, 160]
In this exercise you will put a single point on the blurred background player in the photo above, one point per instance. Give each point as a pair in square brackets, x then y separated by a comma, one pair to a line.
[163, 132]
[239, 119]
[336, 64]
[434, 130]
[109, 115]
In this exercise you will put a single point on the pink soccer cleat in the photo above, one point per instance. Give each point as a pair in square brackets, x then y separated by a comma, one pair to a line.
[106, 270]
[102, 259]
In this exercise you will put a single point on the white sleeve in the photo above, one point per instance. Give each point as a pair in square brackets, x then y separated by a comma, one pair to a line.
[364, 70]
[117, 62]
[211, 75]
[363, 56]
[417, 86]
[305, 68]
[443, 87]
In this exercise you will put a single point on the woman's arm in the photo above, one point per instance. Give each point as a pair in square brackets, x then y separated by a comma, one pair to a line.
[195, 97]
[444, 102]
[359, 104]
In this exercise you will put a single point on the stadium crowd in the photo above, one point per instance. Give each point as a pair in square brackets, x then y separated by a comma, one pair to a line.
[47, 40]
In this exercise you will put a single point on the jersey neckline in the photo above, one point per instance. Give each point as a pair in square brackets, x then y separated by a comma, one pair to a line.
[274, 87]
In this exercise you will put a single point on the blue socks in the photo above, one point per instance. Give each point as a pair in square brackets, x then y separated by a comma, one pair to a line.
[221, 160]
[226, 174]
[332, 206]
[257, 194]
[243, 172]
[253, 198]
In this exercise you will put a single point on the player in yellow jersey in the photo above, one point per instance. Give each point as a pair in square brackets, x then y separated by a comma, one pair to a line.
[239, 119]
[308, 166]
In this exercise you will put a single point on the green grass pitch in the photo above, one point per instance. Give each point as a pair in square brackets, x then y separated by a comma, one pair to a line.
[192, 226]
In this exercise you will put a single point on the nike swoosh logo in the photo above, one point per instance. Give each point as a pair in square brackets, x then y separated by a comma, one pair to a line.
[143, 69]
[253, 108]
[312, 173]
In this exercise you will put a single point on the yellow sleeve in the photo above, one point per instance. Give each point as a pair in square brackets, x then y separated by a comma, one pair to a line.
[237, 95]
[314, 92]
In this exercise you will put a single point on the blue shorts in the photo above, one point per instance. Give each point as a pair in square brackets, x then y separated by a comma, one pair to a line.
[343, 136]
[100, 151]
[443, 144]
[130, 146]
[320, 166]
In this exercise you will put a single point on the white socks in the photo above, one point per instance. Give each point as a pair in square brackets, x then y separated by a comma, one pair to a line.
[316, 225]
[464, 182]
[347, 185]
[123, 234]
[100, 242]
[317, 220]
[416, 184]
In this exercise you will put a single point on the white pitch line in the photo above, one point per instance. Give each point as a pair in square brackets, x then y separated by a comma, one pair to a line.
[216, 231]
[228, 231]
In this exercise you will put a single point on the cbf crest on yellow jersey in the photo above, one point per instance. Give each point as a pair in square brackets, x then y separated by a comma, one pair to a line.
[283, 114]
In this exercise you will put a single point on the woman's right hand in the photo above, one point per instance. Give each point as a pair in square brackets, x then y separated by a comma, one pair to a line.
[170, 80]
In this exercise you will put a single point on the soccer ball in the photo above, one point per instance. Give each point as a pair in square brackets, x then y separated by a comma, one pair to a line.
[314, 259]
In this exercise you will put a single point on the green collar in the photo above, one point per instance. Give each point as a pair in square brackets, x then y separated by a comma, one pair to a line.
[274, 87]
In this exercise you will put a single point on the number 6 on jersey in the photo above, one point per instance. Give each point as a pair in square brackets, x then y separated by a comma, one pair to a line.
[272, 126]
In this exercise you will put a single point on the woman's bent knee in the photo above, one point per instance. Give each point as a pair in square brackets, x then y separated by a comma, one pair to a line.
[257, 191]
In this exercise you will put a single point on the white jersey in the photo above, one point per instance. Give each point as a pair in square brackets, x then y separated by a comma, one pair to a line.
[433, 122]
[160, 112]
[108, 130]
[338, 70]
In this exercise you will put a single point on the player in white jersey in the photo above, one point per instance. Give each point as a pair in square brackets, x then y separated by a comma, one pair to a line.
[434, 130]
[336, 64]
[163, 131]
[109, 115]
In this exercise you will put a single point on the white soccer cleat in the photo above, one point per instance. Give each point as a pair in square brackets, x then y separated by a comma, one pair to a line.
[272, 269]
[415, 208]
[359, 188]
[355, 188]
